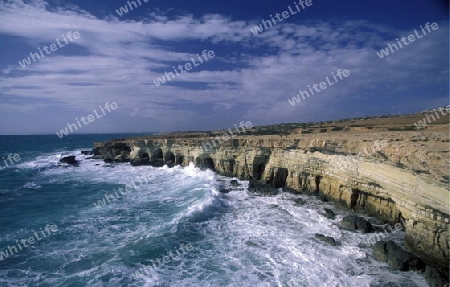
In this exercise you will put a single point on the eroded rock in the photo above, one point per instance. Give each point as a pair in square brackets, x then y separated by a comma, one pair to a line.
[435, 277]
[140, 161]
[69, 160]
[327, 239]
[329, 214]
[261, 188]
[357, 223]
[397, 257]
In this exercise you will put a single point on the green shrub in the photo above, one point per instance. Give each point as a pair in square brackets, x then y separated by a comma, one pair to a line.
[408, 128]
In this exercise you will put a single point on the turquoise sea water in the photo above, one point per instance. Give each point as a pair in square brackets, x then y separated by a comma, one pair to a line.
[172, 227]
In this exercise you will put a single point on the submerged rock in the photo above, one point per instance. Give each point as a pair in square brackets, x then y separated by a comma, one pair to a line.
[329, 214]
[300, 201]
[69, 160]
[261, 188]
[397, 257]
[436, 278]
[327, 239]
[355, 222]
[234, 182]
[139, 161]
[290, 190]
[224, 189]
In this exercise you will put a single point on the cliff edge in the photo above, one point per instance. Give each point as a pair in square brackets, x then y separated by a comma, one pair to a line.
[388, 171]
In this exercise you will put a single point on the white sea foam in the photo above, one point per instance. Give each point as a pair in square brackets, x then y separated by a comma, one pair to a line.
[239, 239]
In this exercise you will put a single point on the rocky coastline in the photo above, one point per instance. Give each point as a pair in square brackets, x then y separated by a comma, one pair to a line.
[394, 176]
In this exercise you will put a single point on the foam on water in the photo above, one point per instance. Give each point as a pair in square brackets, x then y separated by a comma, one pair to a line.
[239, 239]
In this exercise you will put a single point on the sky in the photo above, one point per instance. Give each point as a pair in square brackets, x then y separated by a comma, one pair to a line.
[117, 58]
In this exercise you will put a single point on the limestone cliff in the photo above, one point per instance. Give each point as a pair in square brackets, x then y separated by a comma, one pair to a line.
[390, 175]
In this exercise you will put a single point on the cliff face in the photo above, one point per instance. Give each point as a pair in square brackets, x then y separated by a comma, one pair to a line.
[392, 176]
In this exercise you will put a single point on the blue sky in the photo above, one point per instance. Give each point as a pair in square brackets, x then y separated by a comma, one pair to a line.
[251, 77]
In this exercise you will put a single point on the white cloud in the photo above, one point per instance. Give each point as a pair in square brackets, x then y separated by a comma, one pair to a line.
[118, 61]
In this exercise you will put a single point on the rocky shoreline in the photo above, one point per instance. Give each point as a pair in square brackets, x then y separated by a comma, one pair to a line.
[403, 180]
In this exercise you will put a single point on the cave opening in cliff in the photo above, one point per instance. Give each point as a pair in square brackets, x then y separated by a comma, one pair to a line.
[317, 180]
[179, 159]
[258, 170]
[205, 163]
[169, 157]
[259, 165]
[157, 158]
[354, 197]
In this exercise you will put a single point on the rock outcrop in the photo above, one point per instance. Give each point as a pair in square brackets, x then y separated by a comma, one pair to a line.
[69, 160]
[404, 179]
[327, 239]
[397, 257]
[357, 223]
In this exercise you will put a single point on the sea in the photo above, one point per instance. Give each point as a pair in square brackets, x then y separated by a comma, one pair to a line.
[111, 224]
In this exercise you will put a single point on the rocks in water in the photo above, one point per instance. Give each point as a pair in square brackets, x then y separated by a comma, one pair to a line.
[400, 259]
[96, 157]
[87, 152]
[300, 201]
[329, 214]
[110, 150]
[229, 186]
[114, 157]
[123, 157]
[234, 182]
[108, 157]
[323, 198]
[157, 162]
[327, 239]
[224, 189]
[261, 188]
[435, 278]
[290, 190]
[397, 257]
[355, 222]
[139, 161]
[253, 183]
[69, 160]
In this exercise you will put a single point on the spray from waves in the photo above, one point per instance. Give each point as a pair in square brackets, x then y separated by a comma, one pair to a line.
[237, 238]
